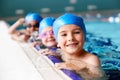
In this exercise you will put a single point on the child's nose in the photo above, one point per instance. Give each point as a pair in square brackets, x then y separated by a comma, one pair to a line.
[70, 37]
[32, 28]
[49, 35]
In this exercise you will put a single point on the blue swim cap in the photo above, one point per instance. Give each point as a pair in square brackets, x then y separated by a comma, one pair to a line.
[46, 22]
[33, 16]
[66, 19]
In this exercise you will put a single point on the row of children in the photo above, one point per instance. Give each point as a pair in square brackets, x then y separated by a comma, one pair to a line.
[66, 35]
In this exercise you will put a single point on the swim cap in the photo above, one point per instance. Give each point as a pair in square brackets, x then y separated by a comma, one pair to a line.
[66, 19]
[46, 22]
[33, 16]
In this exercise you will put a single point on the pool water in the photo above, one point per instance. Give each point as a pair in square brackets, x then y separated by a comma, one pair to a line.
[103, 40]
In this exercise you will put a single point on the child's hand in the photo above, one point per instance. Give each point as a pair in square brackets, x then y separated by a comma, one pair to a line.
[66, 65]
[36, 43]
[46, 52]
[72, 65]
[21, 21]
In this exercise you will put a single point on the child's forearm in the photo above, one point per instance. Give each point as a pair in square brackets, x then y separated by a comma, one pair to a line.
[87, 71]
[12, 28]
[94, 73]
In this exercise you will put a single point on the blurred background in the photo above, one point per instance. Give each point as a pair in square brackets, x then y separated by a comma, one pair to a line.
[11, 10]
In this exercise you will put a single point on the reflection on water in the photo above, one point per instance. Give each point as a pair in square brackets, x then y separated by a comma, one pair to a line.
[106, 48]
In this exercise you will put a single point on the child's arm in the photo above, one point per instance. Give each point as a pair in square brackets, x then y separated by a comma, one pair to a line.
[92, 73]
[50, 52]
[71, 65]
[12, 28]
[86, 71]
[21, 36]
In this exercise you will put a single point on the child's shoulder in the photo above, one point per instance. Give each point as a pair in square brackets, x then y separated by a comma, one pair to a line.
[93, 59]
[92, 56]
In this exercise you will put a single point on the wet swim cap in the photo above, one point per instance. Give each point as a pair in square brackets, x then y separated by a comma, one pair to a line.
[33, 16]
[68, 19]
[46, 22]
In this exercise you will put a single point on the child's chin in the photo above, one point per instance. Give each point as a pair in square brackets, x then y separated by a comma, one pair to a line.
[71, 52]
[51, 44]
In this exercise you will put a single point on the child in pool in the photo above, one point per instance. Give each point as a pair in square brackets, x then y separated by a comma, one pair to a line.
[70, 33]
[32, 22]
[46, 35]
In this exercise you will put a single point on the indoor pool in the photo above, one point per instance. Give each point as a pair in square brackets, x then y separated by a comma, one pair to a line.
[103, 40]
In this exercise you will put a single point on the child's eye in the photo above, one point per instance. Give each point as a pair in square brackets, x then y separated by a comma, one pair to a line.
[44, 34]
[76, 32]
[63, 34]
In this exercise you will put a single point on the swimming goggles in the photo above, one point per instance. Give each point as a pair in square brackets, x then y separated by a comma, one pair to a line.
[45, 34]
[35, 25]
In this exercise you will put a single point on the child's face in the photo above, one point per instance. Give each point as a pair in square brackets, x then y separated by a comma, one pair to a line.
[48, 38]
[32, 26]
[71, 39]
